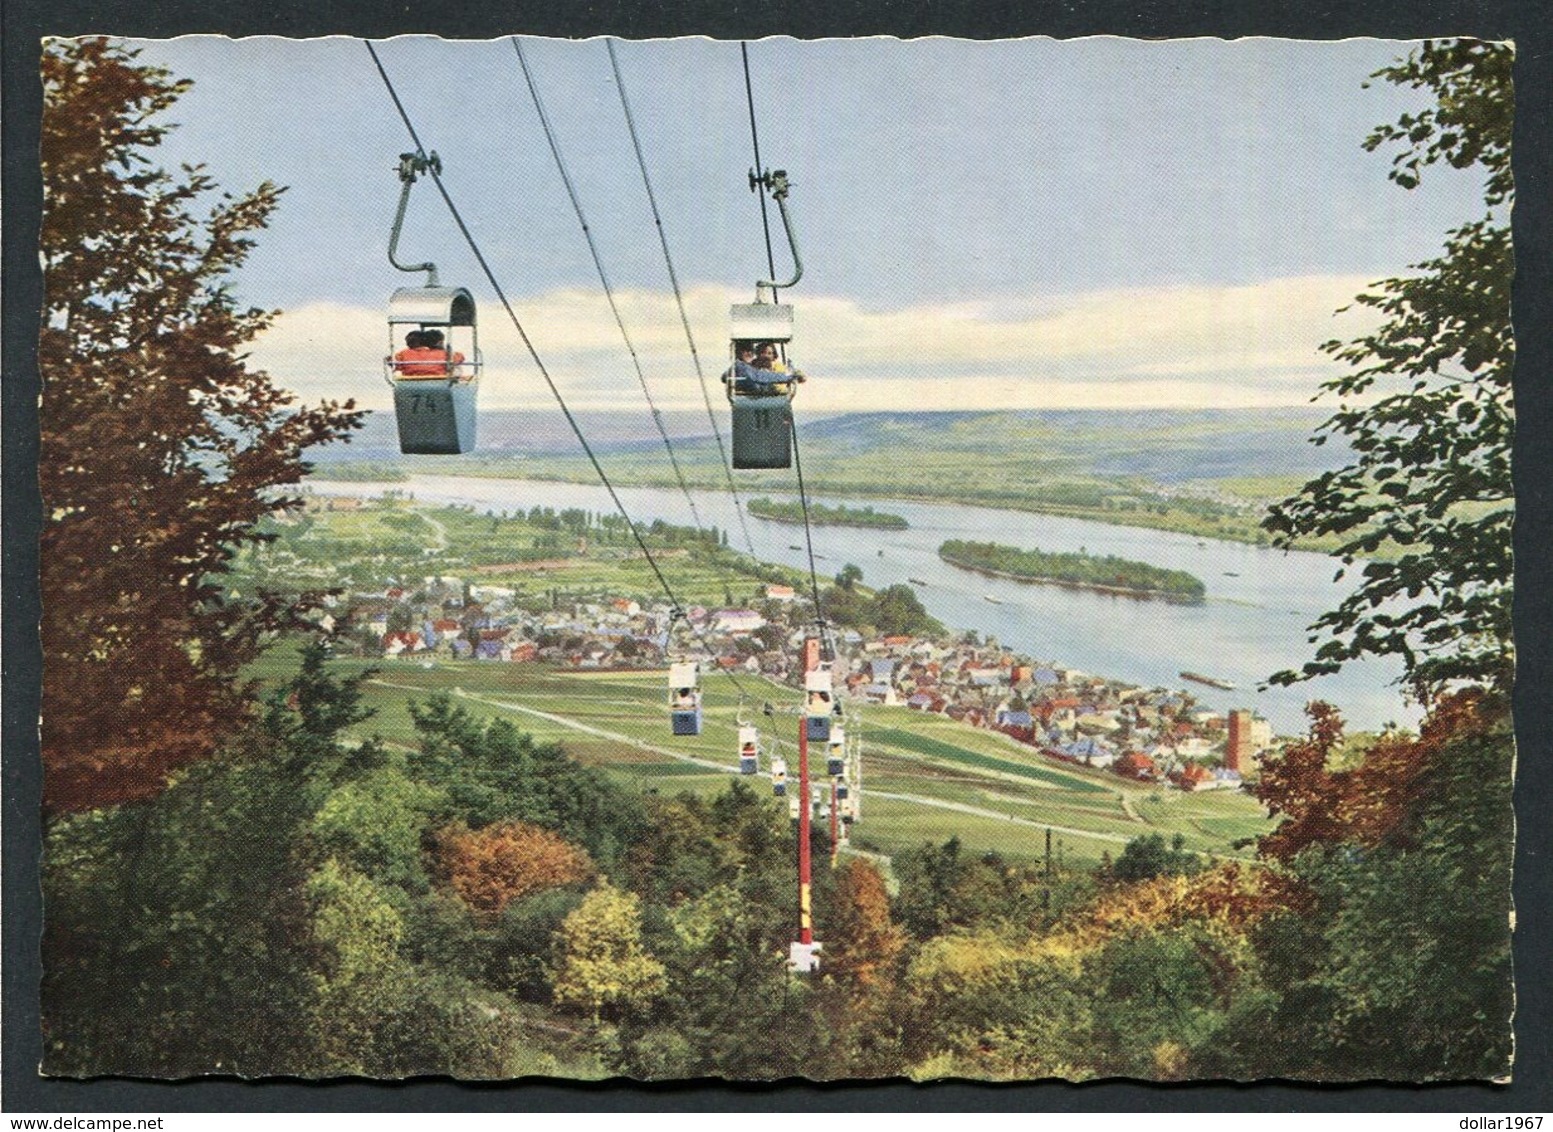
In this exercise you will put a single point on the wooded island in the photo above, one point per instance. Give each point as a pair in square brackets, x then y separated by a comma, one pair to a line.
[1107, 573]
[824, 516]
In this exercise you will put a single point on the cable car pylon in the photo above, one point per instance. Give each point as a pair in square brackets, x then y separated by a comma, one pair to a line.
[804, 952]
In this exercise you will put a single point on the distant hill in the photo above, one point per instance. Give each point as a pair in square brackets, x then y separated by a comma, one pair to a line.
[1166, 446]
[1209, 473]
[530, 433]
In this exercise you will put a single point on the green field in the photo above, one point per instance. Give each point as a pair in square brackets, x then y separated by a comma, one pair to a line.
[540, 556]
[925, 777]
[934, 748]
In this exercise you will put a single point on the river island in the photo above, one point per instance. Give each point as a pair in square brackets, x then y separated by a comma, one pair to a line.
[1104, 573]
[822, 515]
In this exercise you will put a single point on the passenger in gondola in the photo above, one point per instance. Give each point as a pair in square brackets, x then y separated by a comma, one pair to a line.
[685, 698]
[426, 356]
[769, 358]
[742, 373]
[758, 370]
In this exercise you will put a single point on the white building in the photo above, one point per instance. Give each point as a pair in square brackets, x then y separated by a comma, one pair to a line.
[737, 620]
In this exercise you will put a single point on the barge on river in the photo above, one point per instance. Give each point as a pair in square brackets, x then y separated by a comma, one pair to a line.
[1211, 681]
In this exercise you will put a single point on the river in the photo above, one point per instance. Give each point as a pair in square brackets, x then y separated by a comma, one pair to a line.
[1259, 600]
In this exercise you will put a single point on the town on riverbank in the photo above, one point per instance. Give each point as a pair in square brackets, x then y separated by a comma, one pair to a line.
[1151, 734]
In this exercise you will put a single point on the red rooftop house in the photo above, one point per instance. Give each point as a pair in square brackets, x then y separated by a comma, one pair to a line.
[396, 643]
[1136, 766]
[1193, 777]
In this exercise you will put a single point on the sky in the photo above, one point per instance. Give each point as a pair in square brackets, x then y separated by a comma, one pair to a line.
[1026, 224]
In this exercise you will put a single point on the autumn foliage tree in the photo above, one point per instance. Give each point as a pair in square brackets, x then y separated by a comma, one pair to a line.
[1391, 955]
[859, 919]
[160, 449]
[491, 867]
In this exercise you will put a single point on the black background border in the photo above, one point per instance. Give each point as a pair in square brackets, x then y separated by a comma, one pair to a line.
[24, 22]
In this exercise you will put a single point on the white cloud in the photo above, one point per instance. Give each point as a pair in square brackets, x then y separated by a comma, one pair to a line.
[1184, 346]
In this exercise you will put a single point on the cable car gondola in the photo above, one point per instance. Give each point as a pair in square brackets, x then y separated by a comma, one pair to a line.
[836, 758]
[749, 758]
[819, 702]
[778, 777]
[685, 698]
[762, 403]
[761, 388]
[435, 384]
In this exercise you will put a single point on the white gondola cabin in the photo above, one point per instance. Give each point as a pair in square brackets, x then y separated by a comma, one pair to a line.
[433, 367]
[685, 698]
[761, 400]
[836, 757]
[819, 702]
[749, 750]
[778, 777]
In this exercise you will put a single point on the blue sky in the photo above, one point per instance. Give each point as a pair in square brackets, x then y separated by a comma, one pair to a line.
[1026, 223]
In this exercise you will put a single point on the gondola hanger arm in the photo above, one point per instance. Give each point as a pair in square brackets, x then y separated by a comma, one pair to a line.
[411, 166]
[775, 182]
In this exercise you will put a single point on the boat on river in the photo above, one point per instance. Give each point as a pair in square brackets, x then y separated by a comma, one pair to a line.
[993, 600]
[916, 581]
[1211, 681]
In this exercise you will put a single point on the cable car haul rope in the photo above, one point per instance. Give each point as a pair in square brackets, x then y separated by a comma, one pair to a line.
[435, 372]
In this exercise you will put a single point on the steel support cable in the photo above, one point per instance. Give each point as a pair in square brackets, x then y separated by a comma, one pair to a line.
[808, 538]
[533, 353]
[749, 97]
[679, 299]
[803, 496]
[598, 263]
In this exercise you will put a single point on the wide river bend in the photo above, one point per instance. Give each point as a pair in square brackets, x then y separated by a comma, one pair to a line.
[1253, 623]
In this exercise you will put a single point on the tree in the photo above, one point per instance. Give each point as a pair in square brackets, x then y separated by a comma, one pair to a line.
[159, 450]
[600, 960]
[491, 867]
[1391, 954]
[492, 772]
[849, 577]
[174, 934]
[897, 609]
[867, 941]
[1429, 485]
[1146, 857]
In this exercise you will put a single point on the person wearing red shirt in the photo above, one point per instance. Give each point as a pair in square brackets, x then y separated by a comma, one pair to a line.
[425, 356]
